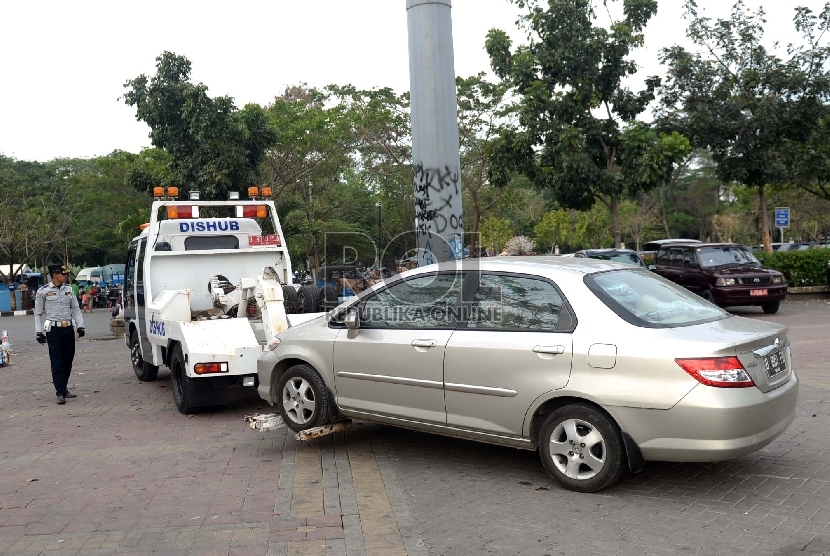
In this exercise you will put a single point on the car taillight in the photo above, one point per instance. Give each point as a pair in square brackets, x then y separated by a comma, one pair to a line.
[208, 368]
[721, 372]
[253, 310]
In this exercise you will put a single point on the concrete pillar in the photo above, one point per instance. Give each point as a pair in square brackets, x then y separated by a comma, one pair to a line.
[439, 220]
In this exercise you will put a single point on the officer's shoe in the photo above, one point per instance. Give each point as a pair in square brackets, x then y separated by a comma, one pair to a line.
[61, 400]
[70, 395]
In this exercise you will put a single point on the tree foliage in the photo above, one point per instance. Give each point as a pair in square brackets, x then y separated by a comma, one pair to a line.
[213, 146]
[576, 117]
[743, 102]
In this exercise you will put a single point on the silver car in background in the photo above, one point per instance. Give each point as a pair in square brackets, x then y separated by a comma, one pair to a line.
[598, 365]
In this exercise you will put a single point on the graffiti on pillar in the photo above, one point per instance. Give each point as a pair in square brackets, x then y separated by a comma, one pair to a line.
[437, 207]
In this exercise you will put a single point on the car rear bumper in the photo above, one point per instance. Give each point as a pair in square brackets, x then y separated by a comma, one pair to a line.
[711, 424]
[740, 295]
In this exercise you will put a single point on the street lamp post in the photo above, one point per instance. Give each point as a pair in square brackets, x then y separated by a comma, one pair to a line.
[379, 248]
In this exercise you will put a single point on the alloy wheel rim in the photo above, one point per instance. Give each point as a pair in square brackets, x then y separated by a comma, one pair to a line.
[298, 400]
[136, 356]
[577, 449]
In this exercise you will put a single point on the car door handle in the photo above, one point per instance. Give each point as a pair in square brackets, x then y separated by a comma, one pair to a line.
[552, 350]
[424, 343]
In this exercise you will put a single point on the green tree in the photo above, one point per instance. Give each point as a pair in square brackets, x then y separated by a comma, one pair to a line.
[743, 102]
[495, 233]
[554, 229]
[573, 106]
[214, 147]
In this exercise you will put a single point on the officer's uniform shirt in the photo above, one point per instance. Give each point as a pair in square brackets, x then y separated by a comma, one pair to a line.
[59, 304]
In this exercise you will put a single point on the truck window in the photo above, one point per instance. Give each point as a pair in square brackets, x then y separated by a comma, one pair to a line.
[129, 278]
[139, 271]
[202, 243]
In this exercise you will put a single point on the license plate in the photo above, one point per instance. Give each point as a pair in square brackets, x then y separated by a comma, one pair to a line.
[775, 364]
[272, 239]
[758, 292]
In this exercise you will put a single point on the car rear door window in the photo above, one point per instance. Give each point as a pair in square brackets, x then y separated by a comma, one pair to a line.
[676, 258]
[508, 302]
[424, 302]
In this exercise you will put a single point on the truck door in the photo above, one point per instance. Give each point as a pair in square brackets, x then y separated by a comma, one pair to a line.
[134, 302]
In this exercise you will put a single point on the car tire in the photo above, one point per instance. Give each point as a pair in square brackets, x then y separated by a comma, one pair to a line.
[771, 308]
[582, 448]
[143, 370]
[303, 399]
[707, 295]
[307, 299]
[183, 394]
[289, 296]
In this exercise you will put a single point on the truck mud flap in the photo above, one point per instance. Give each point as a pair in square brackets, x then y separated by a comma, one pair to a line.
[209, 392]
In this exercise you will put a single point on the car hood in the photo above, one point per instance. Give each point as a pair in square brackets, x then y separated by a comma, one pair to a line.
[744, 271]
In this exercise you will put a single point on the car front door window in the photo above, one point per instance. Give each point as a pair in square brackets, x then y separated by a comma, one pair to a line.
[423, 302]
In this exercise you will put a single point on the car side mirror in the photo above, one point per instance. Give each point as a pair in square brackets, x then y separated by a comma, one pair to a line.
[352, 320]
[163, 246]
[693, 265]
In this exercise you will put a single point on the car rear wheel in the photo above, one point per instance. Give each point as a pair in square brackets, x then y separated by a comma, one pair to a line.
[582, 448]
[771, 308]
[143, 370]
[304, 400]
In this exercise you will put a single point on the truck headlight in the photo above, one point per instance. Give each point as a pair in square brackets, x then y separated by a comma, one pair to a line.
[725, 282]
[777, 279]
[272, 345]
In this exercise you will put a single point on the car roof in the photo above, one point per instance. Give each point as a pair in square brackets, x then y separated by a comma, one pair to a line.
[698, 245]
[608, 250]
[666, 241]
[539, 264]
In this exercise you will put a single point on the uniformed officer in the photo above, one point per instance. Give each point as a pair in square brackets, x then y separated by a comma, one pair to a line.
[61, 307]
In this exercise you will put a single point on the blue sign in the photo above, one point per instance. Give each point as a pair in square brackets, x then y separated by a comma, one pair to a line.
[782, 217]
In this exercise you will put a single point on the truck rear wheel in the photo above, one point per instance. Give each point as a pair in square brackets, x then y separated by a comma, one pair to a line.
[195, 394]
[182, 389]
[143, 370]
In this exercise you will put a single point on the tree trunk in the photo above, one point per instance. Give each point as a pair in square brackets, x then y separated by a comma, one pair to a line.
[762, 193]
[615, 220]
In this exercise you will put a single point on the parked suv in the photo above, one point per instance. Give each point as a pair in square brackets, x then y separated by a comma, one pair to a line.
[723, 273]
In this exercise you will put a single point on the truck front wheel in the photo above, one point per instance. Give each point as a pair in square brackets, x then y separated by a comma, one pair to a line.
[143, 370]
[182, 384]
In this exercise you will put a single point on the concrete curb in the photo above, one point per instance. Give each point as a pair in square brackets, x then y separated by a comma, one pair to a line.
[16, 313]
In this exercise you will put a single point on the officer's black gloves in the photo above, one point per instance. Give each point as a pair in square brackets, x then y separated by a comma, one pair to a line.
[81, 333]
[41, 338]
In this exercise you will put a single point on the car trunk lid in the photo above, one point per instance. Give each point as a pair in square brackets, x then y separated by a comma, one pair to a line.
[762, 347]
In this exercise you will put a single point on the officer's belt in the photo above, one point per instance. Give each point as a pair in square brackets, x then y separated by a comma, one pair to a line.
[61, 323]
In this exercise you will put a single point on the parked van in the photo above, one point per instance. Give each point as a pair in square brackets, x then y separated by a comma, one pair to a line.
[89, 274]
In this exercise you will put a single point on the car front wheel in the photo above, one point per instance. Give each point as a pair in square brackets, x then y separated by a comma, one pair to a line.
[771, 308]
[582, 448]
[304, 400]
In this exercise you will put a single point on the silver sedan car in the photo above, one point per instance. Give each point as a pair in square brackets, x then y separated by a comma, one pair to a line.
[599, 366]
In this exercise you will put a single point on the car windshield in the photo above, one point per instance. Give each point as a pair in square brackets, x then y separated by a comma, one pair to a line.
[620, 257]
[646, 299]
[729, 254]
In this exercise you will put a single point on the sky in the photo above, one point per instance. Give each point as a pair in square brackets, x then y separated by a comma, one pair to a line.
[64, 64]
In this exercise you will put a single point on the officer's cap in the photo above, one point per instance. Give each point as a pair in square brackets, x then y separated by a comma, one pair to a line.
[58, 269]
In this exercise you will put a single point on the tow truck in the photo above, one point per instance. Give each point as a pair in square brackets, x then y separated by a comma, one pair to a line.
[203, 292]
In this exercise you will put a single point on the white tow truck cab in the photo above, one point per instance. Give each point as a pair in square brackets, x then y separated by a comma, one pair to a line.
[203, 292]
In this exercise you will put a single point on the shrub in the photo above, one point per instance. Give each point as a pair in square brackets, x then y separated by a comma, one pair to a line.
[801, 268]
[520, 245]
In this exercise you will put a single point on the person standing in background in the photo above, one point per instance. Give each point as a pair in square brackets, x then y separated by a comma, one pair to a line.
[60, 305]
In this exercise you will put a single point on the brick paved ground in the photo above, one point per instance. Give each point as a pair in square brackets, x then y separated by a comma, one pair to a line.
[119, 471]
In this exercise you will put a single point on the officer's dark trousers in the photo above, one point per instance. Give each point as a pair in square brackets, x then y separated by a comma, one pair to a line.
[61, 343]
